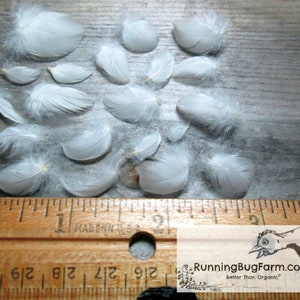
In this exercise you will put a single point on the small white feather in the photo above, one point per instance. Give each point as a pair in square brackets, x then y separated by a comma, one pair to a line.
[177, 132]
[135, 104]
[112, 59]
[95, 186]
[24, 177]
[90, 144]
[19, 139]
[51, 100]
[201, 35]
[230, 174]
[147, 146]
[214, 115]
[21, 74]
[167, 174]
[161, 69]
[139, 35]
[69, 73]
[40, 33]
[202, 68]
[8, 112]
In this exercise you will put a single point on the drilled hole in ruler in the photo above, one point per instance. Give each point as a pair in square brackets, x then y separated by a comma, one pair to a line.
[142, 246]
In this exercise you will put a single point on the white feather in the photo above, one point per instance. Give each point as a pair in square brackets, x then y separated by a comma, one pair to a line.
[177, 132]
[39, 33]
[136, 104]
[19, 139]
[90, 144]
[167, 174]
[50, 100]
[139, 35]
[230, 174]
[202, 68]
[95, 186]
[214, 115]
[8, 112]
[21, 74]
[147, 146]
[24, 177]
[69, 73]
[161, 69]
[112, 59]
[201, 35]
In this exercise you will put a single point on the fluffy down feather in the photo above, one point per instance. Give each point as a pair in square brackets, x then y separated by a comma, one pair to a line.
[136, 104]
[177, 132]
[8, 112]
[160, 70]
[69, 73]
[51, 100]
[167, 174]
[230, 174]
[202, 68]
[20, 139]
[139, 35]
[21, 74]
[40, 33]
[90, 144]
[147, 146]
[24, 177]
[113, 59]
[201, 35]
[95, 186]
[215, 116]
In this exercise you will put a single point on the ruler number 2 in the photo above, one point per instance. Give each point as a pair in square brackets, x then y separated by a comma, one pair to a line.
[17, 273]
[69, 272]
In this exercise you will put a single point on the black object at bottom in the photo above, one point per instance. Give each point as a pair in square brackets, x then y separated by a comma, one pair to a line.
[165, 292]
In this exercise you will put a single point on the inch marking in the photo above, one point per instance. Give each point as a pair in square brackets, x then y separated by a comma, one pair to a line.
[295, 210]
[1, 281]
[22, 210]
[272, 208]
[96, 208]
[43, 281]
[84, 281]
[261, 211]
[166, 279]
[284, 211]
[47, 209]
[125, 281]
[215, 212]
[191, 210]
[120, 211]
[238, 209]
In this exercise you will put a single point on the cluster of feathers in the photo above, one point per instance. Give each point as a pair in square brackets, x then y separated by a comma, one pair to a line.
[40, 34]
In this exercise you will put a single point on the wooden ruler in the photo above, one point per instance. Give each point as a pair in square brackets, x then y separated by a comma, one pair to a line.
[79, 248]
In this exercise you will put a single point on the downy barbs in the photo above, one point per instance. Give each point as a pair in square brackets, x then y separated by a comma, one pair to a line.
[201, 35]
[113, 60]
[51, 100]
[20, 74]
[135, 104]
[24, 177]
[229, 174]
[69, 73]
[217, 116]
[42, 34]
[90, 144]
[8, 112]
[138, 34]
[167, 173]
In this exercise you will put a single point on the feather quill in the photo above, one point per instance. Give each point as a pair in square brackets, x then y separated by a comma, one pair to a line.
[136, 104]
[51, 100]
[24, 177]
[213, 115]
[147, 146]
[202, 68]
[39, 33]
[113, 60]
[90, 144]
[20, 74]
[167, 174]
[8, 112]
[95, 186]
[139, 35]
[69, 73]
[161, 69]
[230, 174]
[201, 35]
[19, 139]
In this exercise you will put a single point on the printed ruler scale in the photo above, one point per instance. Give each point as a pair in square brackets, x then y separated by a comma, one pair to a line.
[79, 248]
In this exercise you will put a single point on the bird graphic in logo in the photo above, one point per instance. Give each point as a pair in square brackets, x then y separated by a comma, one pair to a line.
[269, 242]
